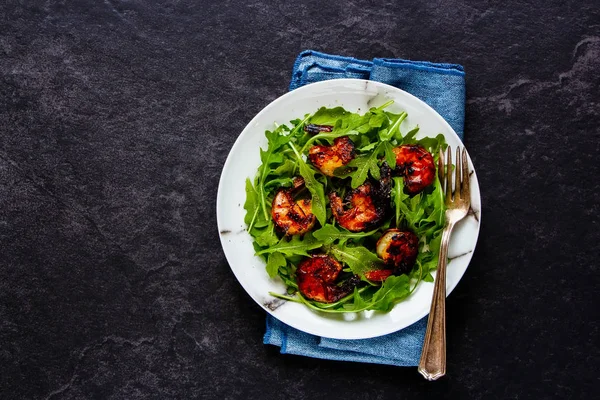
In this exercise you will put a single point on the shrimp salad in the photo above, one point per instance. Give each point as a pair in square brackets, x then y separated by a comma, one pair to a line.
[347, 209]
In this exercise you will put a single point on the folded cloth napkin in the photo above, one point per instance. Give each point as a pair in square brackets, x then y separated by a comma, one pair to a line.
[442, 86]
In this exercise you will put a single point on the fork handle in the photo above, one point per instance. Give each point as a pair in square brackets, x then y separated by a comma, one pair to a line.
[433, 356]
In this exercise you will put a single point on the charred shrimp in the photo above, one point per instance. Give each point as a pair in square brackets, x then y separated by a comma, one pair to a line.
[316, 277]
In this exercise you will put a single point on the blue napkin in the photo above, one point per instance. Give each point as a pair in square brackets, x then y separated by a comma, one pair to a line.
[442, 86]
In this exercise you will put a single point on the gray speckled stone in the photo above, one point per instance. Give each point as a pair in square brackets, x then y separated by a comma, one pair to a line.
[117, 117]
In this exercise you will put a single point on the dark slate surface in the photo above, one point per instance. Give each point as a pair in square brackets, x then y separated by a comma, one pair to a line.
[117, 116]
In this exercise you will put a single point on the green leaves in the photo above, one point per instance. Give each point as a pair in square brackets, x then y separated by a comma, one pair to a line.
[344, 123]
[364, 164]
[410, 135]
[397, 196]
[394, 289]
[394, 130]
[433, 145]
[253, 217]
[268, 157]
[294, 246]
[287, 167]
[331, 116]
[358, 258]
[314, 187]
[251, 205]
[422, 213]
[375, 134]
[266, 237]
[274, 261]
[369, 161]
[390, 156]
[329, 234]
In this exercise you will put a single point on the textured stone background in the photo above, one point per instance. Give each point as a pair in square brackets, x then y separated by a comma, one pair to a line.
[117, 116]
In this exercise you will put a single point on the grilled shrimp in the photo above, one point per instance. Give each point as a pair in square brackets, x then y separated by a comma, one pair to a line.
[316, 278]
[367, 205]
[398, 249]
[328, 158]
[416, 164]
[292, 217]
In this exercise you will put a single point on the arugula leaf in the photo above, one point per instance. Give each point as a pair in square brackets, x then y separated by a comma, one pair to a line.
[280, 182]
[369, 163]
[251, 205]
[429, 265]
[397, 198]
[287, 167]
[347, 123]
[358, 258]
[394, 128]
[267, 237]
[337, 307]
[393, 289]
[353, 124]
[363, 164]
[358, 304]
[274, 261]
[410, 135]
[406, 205]
[422, 213]
[369, 147]
[329, 234]
[329, 116]
[374, 164]
[315, 188]
[377, 120]
[344, 123]
[390, 156]
[433, 145]
[275, 141]
[268, 157]
[294, 246]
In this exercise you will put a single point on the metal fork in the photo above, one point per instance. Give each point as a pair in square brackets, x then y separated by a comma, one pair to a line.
[433, 357]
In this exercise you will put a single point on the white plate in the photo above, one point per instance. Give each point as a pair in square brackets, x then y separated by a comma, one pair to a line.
[243, 160]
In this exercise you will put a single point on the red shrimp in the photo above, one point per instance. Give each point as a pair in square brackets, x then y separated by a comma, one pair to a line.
[292, 217]
[317, 275]
[366, 206]
[328, 158]
[416, 165]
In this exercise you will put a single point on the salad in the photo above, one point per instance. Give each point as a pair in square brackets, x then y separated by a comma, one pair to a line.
[347, 209]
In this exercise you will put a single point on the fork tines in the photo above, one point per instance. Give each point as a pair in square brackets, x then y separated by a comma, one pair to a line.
[460, 184]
